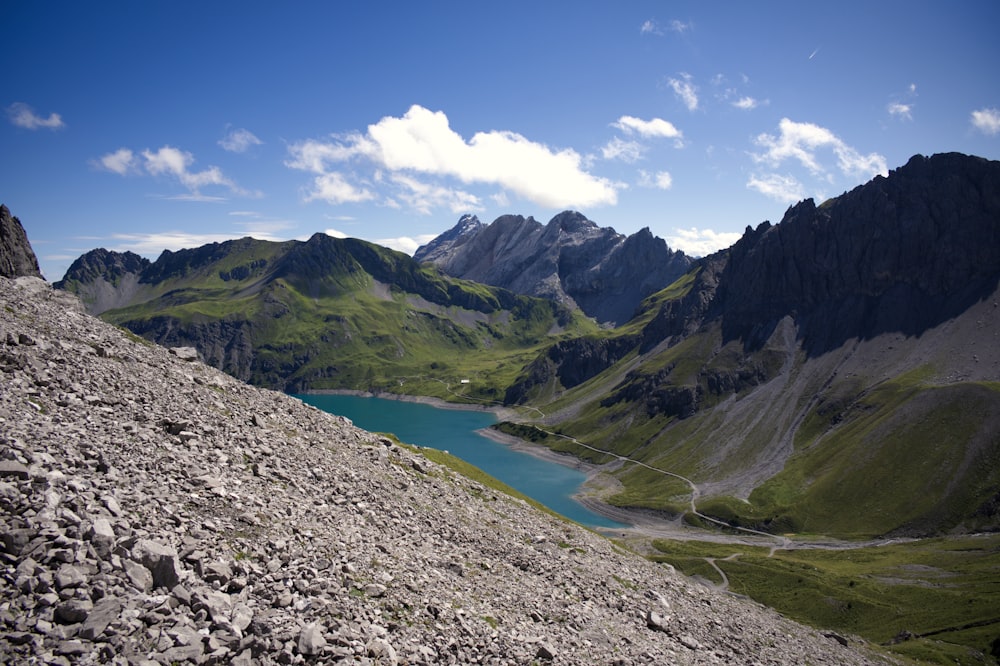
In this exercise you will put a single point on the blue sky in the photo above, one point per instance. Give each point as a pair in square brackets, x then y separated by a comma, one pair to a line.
[149, 125]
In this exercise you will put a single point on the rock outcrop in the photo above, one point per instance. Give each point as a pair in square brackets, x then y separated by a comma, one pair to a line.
[898, 254]
[17, 259]
[154, 510]
[570, 260]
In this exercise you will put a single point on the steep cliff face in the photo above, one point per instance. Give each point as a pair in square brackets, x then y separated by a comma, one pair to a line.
[570, 260]
[898, 254]
[17, 259]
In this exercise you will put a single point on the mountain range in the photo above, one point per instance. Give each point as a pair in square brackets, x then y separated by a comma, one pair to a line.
[570, 260]
[836, 372]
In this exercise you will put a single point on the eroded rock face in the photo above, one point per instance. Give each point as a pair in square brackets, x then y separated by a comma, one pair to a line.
[570, 260]
[898, 254]
[17, 259]
[155, 510]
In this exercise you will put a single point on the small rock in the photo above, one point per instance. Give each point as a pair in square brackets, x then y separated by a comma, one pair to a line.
[12, 468]
[382, 652]
[689, 642]
[311, 639]
[73, 611]
[161, 561]
[545, 652]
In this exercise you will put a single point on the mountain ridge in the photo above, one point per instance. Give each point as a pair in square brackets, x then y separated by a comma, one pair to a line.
[570, 260]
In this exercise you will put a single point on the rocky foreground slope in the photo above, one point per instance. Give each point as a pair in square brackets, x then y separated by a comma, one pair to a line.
[155, 510]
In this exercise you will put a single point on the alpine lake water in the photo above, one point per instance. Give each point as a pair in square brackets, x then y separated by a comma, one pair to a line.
[455, 431]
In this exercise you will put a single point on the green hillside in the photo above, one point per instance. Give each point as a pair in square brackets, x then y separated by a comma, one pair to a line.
[341, 314]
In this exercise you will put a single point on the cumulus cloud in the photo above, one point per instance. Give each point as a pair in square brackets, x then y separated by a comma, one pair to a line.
[22, 115]
[685, 90]
[422, 142]
[334, 188]
[900, 110]
[172, 163]
[987, 121]
[801, 141]
[122, 161]
[700, 242]
[783, 188]
[655, 128]
[239, 141]
[680, 26]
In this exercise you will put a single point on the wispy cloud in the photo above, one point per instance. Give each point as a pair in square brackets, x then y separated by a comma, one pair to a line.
[405, 243]
[626, 151]
[172, 163]
[783, 188]
[746, 103]
[801, 141]
[650, 27]
[334, 188]
[661, 180]
[655, 128]
[680, 26]
[685, 90]
[700, 242]
[900, 110]
[239, 141]
[987, 121]
[422, 142]
[22, 115]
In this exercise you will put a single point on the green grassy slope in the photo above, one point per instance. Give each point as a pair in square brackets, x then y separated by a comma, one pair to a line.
[343, 313]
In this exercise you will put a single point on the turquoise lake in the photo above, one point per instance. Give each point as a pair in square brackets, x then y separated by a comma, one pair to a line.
[454, 430]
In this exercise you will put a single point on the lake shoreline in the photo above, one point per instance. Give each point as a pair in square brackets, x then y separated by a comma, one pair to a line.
[589, 496]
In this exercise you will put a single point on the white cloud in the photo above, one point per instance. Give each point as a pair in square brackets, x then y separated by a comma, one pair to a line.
[333, 188]
[785, 189]
[22, 115]
[700, 242]
[900, 110]
[239, 141]
[424, 197]
[650, 27]
[661, 179]
[987, 121]
[122, 161]
[746, 103]
[680, 26]
[685, 90]
[800, 141]
[173, 163]
[626, 151]
[655, 128]
[405, 243]
[421, 141]
[335, 233]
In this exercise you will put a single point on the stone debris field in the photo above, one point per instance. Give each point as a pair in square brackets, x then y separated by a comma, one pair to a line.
[156, 511]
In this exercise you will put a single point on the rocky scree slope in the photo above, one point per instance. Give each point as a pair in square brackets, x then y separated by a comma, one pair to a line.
[154, 510]
[570, 260]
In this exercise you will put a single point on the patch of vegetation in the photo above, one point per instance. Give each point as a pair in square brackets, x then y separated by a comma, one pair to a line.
[945, 592]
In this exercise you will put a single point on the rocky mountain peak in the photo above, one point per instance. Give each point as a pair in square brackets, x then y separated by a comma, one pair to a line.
[571, 260]
[17, 259]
